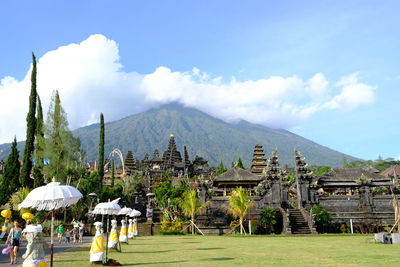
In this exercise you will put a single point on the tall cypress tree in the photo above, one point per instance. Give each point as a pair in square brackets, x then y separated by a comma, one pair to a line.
[101, 151]
[10, 182]
[25, 179]
[57, 140]
[39, 147]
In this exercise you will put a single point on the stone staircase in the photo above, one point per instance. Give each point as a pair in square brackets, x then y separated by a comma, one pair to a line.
[297, 222]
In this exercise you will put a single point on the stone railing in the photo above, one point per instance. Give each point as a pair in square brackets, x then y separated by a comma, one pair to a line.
[287, 228]
[309, 217]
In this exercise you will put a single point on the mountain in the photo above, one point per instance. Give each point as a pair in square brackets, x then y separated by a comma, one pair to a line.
[203, 135]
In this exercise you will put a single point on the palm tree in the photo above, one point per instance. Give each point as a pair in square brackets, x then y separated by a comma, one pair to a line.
[17, 198]
[239, 204]
[190, 205]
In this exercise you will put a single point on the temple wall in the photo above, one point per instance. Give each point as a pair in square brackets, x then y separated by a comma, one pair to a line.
[344, 208]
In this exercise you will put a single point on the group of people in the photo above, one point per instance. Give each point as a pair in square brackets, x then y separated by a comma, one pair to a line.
[16, 233]
[76, 232]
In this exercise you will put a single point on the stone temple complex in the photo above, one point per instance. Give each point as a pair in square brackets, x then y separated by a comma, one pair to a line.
[346, 193]
[156, 166]
[357, 194]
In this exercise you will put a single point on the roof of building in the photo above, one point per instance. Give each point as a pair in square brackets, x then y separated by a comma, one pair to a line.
[237, 174]
[350, 174]
[391, 171]
[200, 160]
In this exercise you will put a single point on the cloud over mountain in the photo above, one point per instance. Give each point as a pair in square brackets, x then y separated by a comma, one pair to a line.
[91, 79]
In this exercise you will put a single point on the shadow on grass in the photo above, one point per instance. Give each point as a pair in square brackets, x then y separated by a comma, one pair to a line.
[152, 263]
[74, 249]
[64, 260]
[153, 251]
[208, 248]
[219, 259]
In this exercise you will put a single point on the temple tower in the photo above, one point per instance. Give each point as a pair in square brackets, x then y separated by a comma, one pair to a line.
[304, 177]
[259, 161]
[130, 162]
[171, 156]
[187, 163]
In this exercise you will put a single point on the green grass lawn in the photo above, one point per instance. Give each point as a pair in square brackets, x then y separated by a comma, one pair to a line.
[321, 250]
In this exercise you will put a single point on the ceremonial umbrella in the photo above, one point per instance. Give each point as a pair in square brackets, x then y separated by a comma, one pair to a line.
[125, 211]
[135, 213]
[107, 208]
[51, 197]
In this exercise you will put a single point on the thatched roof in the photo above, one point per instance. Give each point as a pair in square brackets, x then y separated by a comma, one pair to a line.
[236, 174]
[350, 174]
[392, 171]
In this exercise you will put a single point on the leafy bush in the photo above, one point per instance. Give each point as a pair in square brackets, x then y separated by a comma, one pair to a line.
[322, 218]
[172, 226]
[271, 220]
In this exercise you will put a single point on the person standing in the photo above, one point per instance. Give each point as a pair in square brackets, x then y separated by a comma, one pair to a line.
[14, 239]
[60, 232]
[81, 231]
[68, 236]
[75, 232]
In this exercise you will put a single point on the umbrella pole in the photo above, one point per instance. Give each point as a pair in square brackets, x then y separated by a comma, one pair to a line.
[51, 239]
[107, 240]
[127, 239]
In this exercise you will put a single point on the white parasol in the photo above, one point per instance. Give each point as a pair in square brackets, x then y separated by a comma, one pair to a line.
[107, 208]
[125, 211]
[51, 197]
[135, 213]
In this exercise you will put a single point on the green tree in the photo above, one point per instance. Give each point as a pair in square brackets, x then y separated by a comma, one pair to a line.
[10, 180]
[220, 169]
[61, 146]
[39, 147]
[240, 204]
[270, 217]
[322, 218]
[25, 178]
[239, 164]
[191, 206]
[101, 151]
[167, 197]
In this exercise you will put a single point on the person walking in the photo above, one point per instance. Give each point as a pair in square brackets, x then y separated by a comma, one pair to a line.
[14, 239]
[60, 232]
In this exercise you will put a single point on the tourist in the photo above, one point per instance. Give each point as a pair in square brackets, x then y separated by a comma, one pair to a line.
[14, 238]
[81, 231]
[60, 232]
[68, 236]
[75, 231]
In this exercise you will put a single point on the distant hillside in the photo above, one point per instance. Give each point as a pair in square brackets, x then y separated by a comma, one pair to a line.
[203, 135]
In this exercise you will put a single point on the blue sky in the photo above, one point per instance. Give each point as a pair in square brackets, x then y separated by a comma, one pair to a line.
[236, 42]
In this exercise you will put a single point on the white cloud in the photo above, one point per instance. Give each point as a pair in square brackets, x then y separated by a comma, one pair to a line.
[353, 93]
[91, 79]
